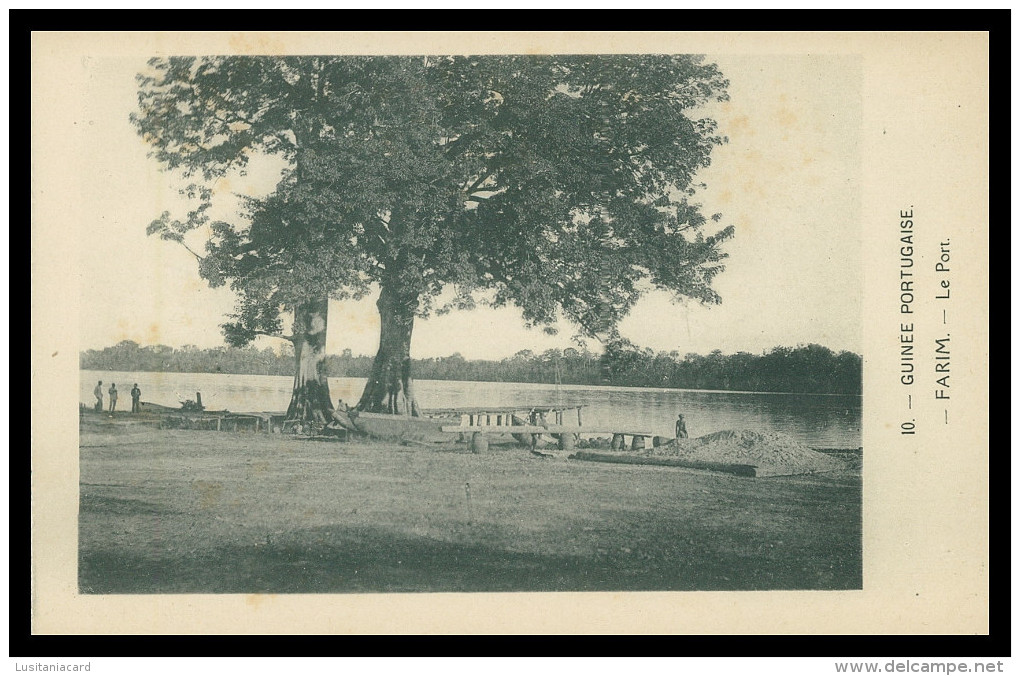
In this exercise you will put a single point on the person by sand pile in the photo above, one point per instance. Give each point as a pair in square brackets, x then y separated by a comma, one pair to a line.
[772, 453]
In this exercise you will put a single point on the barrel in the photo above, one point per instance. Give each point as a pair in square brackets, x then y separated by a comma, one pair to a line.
[637, 444]
[566, 441]
[659, 441]
[618, 443]
[479, 443]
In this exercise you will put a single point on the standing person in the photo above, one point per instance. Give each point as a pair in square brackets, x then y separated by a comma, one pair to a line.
[113, 397]
[136, 397]
[681, 427]
[98, 392]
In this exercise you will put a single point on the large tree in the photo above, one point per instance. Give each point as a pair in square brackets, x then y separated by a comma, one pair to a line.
[206, 119]
[556, 184]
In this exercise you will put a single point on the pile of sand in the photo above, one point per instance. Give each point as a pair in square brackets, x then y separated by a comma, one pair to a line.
[771, 453]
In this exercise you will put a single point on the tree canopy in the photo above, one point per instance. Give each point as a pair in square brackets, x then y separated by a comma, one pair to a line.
[559, 184]
[558, 181]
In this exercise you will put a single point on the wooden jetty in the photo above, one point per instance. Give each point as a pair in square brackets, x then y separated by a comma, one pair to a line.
[504, 415]
[545, 429]
[565, 435]
[445, 425]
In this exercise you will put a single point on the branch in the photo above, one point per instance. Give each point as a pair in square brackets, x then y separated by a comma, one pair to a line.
[290, 338]
[191, 251]
[450, 146]
[590, 331]
[481, 179]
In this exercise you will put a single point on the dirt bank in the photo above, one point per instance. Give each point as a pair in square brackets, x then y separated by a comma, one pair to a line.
[192, 511]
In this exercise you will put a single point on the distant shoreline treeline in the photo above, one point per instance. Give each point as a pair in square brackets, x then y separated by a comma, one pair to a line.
[810, 368]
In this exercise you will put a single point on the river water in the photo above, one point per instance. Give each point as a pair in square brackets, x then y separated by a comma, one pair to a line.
[820, 421]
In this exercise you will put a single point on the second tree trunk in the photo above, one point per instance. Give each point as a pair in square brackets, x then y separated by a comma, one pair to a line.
[390, 388]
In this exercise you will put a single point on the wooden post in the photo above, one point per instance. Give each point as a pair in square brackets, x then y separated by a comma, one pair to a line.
[218, 419]
[257, 420]
[579, 417]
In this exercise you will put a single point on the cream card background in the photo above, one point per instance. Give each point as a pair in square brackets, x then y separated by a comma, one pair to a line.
[924, 143]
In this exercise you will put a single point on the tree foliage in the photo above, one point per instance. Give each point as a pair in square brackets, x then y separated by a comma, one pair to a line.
[563, 185]
[558, 183]
[206, 118]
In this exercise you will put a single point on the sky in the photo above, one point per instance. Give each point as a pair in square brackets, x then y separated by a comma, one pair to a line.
[788, 180]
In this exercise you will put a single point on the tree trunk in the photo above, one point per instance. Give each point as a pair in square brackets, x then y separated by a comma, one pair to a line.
[390, 388]
[310, 400]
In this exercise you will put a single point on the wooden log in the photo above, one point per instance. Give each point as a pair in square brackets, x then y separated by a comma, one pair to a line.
[738, 469]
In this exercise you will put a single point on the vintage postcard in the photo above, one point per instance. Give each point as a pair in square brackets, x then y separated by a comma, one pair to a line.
[510, 332]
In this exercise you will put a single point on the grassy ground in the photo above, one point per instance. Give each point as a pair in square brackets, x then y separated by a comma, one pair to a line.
[174, 511]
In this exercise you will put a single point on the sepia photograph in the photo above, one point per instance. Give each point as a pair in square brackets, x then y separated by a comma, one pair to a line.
[423, 322]
[674, 401]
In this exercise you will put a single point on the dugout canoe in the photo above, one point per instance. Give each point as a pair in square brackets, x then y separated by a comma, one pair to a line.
[404, 427]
